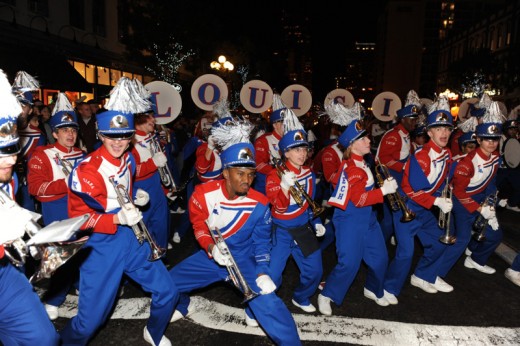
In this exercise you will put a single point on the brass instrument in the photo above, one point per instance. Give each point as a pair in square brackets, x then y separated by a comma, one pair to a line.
[52, 255]
[164, 172]
[140, 230]
[480, 223]
[234, 272]
[394, 199]
[297, 191]
[66, 166]
[444, 218]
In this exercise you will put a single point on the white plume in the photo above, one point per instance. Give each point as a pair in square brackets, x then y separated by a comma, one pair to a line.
[342, 115]
[290, 121]
[277, 102]
[25, 82]
[221, 109]
[412, 99]
[62, 104]
[441, 103]
[469, 125]
[9, 106]
[232, 132]
[493, 114]
[126, 97]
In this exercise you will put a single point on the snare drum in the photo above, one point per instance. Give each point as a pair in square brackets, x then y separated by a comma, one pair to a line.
[511, 152]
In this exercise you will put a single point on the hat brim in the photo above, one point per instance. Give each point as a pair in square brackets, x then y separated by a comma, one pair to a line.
[117, 135]
[10, 150]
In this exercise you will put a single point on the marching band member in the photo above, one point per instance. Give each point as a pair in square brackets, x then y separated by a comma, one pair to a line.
[467, 143]
[358, 234]
[49, 169]
[423, 181]
[418, 137]
[393, 152]
[513, 273]
[242, 215]
[473, 181]
[476, 113]
[266, 146]
[295, 227]
[23, 320]
[115, 249]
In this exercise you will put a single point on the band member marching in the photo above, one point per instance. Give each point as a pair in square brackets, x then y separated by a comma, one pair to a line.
[358, 234]
[116, 224]
[295, 225]
[242, 216]
[23, 320]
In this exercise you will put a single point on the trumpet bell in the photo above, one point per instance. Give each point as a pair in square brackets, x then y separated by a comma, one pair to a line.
[448, 239]
[408, 216]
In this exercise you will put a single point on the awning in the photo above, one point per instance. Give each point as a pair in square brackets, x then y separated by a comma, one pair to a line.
[52, 72]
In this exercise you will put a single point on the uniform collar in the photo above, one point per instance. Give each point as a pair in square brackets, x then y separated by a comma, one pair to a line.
[106, 155]
[62, 148]
[431, 144]
[401, 128]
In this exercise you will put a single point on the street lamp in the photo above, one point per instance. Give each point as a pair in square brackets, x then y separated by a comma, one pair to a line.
[222, 64]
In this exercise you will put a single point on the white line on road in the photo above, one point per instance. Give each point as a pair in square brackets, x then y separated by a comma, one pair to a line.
[340, 329]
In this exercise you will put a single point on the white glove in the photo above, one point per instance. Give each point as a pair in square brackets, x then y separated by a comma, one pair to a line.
[493, 223]
[129, 215]
[219, 257]
[159, 159]
[265, 284]
[502, 203]
[487, 212]
[320, 230]
[389, 186]
[141, 198]
[288, 180]
[171, 196]
[13, 223]
[211, 142]
[445, 204]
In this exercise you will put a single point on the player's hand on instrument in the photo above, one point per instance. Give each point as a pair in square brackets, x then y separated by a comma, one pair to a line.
[487, 212]
[389, 186]
[493, 223]
[129, 215]
[141, 198]
[219, 257]
[445, 204]
[14, 221]
[320, 230]
[502, 203]
[159, 159]
[265, 284]
[211, 142]
[288, 180]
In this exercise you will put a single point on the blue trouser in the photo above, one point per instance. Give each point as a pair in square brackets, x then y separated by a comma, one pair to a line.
[516, 263]
[184, 224]
[198, 271]
[23, 320]
[110, 257]
[25, 199]
[311, 268]
[328, 238]
[54, 210]
[156, 214]
[387, 223]
[356, 240]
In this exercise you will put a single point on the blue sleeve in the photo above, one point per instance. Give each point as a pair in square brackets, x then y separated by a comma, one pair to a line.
[262, 238]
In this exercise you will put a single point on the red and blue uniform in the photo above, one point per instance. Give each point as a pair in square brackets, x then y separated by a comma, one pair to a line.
[266, 148]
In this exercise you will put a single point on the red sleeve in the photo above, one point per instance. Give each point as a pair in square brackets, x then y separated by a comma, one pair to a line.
[390, 150]
[274, 193]
[461, 179]
[357, 180]
[262, 156]
[2, 251]
[40, 178]
[454, 145]
[331, 166]
[198, 215]
[143, 169]
[201, 164]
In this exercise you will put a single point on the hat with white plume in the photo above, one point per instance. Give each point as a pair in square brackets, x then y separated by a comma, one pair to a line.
[23, 86]
[278, 109]
[126, 99]
[233, 137]
[491, 126]
[347, 116]
[221, 110]
[10, 109]
[63, 114]
[412, 106]
[294, 133]
[439, 113]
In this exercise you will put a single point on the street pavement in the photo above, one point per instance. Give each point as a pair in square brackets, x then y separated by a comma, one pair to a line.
[482, 309]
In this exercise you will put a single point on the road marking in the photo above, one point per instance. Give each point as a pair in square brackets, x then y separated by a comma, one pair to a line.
[361, 331]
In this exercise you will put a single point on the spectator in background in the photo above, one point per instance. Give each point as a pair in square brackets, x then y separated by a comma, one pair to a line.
[87, 137]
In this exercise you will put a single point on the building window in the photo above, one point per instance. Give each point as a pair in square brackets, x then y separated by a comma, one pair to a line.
[77, 14]
[103, 75]
[115, 75]
[40, 7]
[99, 17]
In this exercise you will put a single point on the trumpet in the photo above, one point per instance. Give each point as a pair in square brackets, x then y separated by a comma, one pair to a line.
[480, 223]
[297, 191]
[234, 271]
[444, 218]
[140, 230]
[164, 172]
[395, 199]
[66, 166]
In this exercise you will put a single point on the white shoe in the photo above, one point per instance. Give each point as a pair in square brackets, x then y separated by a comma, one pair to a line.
[148, 338]
[52, 311]
[470, 263]
[442, 286]
[371, 295]
[251, 322]
[513, 276]
[324, 305]
[422, 284]
[467, 252]
[176, 238]
[392, 241]
[306, 308]
[391, 298]
[177, 315]
[178, 211]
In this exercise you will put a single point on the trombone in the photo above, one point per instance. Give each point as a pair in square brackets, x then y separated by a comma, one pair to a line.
[234, 272]
[395, 199]
[140, 230]
[444, 218]
[297, 191]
